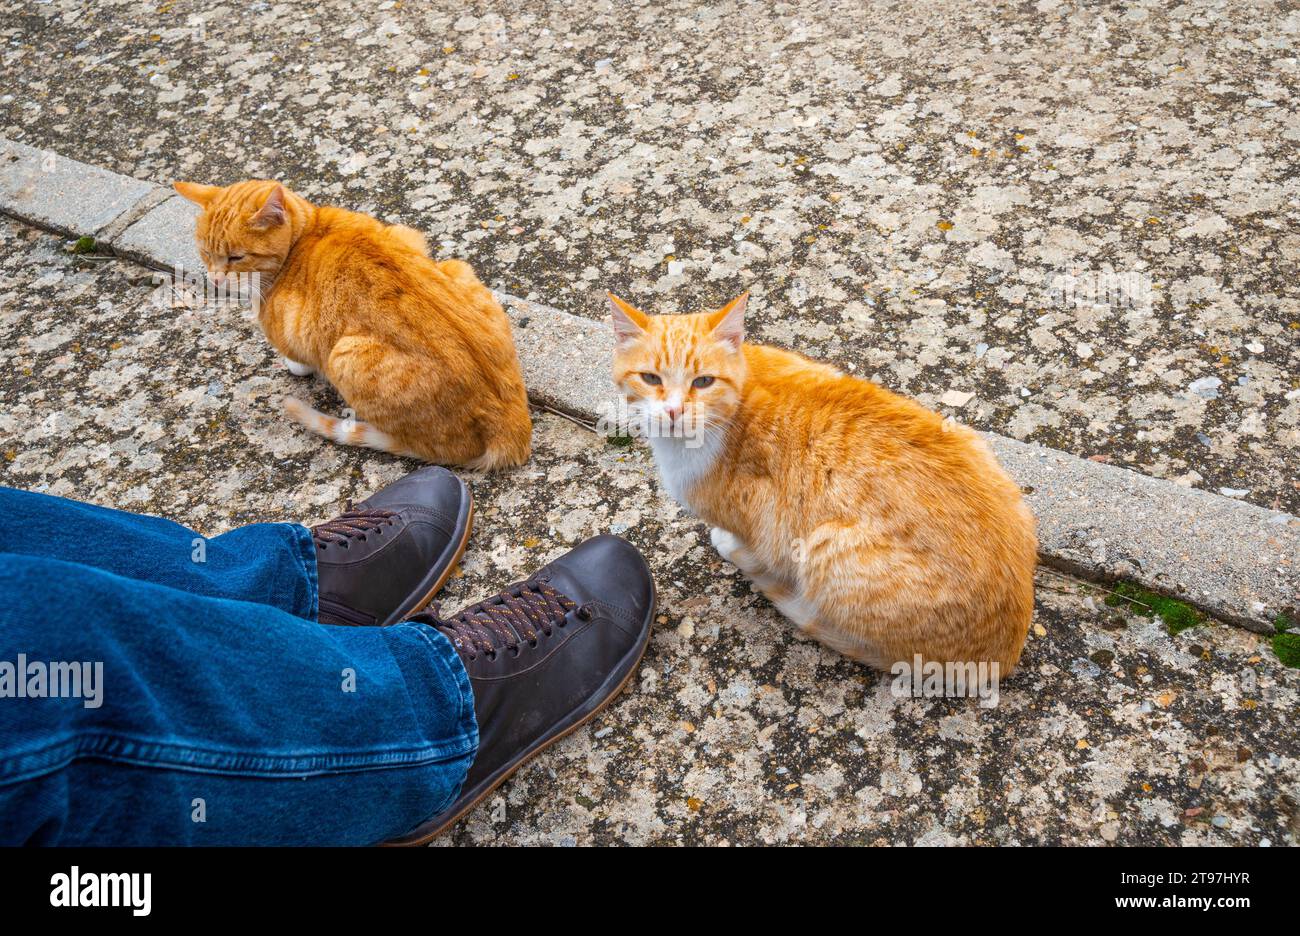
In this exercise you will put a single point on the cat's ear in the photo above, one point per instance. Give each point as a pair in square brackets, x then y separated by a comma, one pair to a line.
[201, 195]
[272, 211]
[629, 323]
[728, 323]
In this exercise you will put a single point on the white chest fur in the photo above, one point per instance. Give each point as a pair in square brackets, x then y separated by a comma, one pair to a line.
[682, 462]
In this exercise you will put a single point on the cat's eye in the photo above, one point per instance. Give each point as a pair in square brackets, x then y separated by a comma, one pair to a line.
[234, 258]
[699, 383]
[653, 380]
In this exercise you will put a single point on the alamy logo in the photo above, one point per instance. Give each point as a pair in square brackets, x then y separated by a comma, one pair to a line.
[60, 679]
[952, 680]
[620, 419]
[1127, 289]
[75, 889]
[191, 289]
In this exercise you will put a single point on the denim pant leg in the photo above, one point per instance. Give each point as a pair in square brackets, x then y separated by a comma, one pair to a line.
[270, 563]
[195, 719]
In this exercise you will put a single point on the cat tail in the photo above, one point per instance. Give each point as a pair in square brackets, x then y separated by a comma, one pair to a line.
[498, 456]
[342, 431]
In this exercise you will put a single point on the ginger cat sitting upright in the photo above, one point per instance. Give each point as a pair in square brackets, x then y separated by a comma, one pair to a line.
[870, 522]
[419, 349]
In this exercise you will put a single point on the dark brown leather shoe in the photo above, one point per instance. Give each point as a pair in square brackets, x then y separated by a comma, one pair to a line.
[385, 558]
[544, 656]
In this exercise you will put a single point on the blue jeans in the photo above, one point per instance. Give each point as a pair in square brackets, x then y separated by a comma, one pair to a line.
[188, 695]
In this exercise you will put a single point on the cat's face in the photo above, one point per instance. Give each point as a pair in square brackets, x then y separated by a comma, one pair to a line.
[243, 228]
[680, 374]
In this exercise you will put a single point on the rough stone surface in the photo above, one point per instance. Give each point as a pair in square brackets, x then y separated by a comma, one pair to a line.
[902, 184]
[734, 730]
[163, 237]
[63, 194]
[566, 359]
[1239, 561]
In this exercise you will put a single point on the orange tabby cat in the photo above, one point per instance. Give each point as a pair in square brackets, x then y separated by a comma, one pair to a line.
[419, 349]
[873, 524]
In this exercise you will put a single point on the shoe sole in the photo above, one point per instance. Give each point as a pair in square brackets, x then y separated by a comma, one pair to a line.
[424, 834]
[466, 521]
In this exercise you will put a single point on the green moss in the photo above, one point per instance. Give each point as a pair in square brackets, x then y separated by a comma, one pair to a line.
[619, 441]
[84, 245]
[1287, 648]
[1284, 622]
[1176, 615]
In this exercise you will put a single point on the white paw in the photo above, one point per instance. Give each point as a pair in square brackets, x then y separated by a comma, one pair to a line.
[298, 370]
[725, 543]
[801, 613]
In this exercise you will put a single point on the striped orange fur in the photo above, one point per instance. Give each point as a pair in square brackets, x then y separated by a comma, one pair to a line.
[419, 349]
[873, 524]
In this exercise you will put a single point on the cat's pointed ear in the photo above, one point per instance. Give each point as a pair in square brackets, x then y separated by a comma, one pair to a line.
[728, 323]
[272, 211]
[629, 323]
[201, 195]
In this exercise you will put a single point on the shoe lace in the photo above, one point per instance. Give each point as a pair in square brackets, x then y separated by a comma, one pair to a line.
[505, 620]
[353, 523]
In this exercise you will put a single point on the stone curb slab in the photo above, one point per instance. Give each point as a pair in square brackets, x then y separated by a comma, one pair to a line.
[566, 358]
[61, 194]
[1236, 560]
[153, 239]
[1232, 559]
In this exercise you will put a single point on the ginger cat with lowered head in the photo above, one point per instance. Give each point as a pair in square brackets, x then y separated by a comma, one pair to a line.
[419, 349]
[873, 524]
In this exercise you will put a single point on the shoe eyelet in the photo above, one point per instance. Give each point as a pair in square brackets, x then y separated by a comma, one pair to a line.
[584, 613]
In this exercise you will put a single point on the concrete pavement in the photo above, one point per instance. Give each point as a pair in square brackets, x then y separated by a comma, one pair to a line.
[733, 729]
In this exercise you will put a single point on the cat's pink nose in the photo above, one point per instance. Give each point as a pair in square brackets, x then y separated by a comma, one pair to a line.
[216, 278]
[673, 413]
